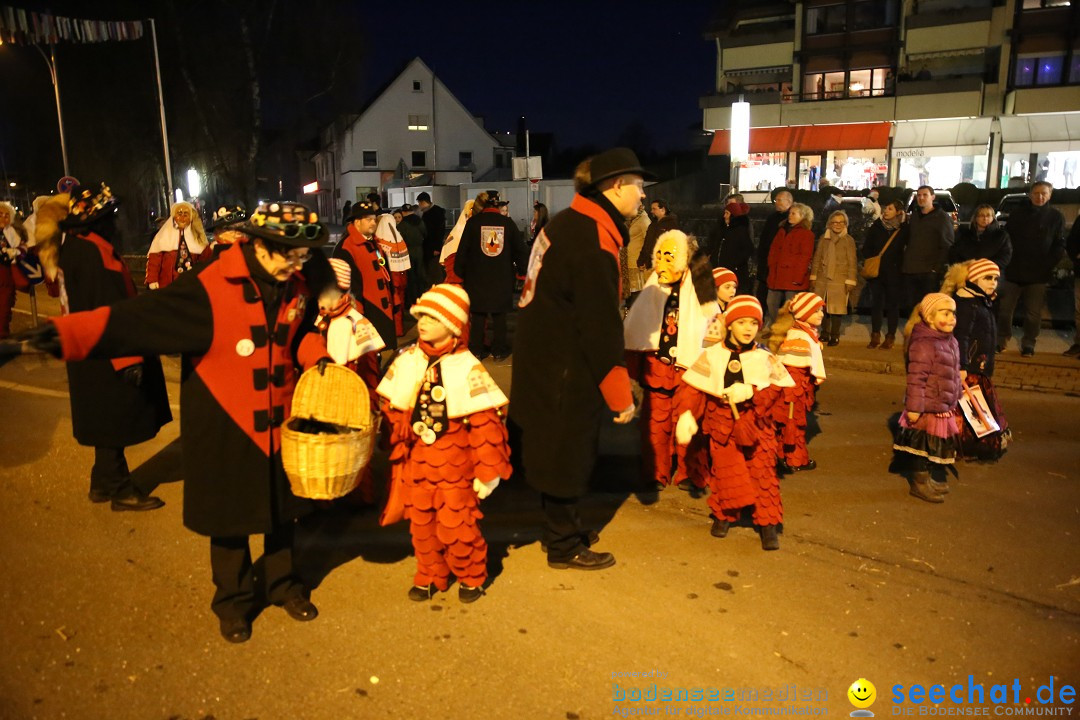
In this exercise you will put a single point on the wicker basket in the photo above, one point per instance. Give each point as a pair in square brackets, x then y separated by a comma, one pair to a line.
[324, 466]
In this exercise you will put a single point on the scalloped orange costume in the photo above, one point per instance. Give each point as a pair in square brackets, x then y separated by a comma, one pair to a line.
[437, 477]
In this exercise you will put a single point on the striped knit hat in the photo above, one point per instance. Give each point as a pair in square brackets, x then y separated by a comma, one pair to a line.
[934, 302]
[723, 275]
[805, 304]
[449, 304]
[342, 272]
[982, 268]
[742, 306]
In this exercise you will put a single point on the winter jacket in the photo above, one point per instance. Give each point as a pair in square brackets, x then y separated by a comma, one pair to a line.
[371, 283]
[161, 266]
[929, 240]
[1038, 242]
[876, 237]
[242, 353]
[789, 258]
[975, 332]
[933, 371]
[993, 243]
[730, 247]
[656, 229]
[569, 370]
[765, 241]
[833, 271]
[491, 255]
[106, 410]
[434, 230]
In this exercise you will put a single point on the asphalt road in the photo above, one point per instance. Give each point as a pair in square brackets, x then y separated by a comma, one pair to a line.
[106, 615]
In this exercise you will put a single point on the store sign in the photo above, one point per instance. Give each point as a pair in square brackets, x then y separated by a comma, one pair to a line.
[909, 153]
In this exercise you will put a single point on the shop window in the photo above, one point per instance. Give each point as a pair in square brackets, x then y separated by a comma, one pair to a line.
[419, 158]
[826, 19]
[371, 158]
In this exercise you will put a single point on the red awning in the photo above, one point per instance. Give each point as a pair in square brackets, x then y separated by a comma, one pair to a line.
[808, 138]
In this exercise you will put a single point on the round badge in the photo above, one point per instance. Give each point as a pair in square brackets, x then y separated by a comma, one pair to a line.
[734, 366]
[437, 427]
[290, 315]
[672, 350]
[245, 348]
[419, 428]
[438, 393]
[429, 436]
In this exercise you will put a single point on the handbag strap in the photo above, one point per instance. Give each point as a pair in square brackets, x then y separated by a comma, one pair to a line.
[888, 242]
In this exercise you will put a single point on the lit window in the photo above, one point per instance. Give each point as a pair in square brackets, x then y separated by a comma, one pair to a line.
[1025, 71]
[418, 122]
[1049, 70]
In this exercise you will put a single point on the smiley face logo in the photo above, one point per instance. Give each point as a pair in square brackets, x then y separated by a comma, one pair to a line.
[862, 693]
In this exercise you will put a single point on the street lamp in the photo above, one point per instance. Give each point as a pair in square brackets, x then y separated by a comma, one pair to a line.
[194, 186]
[50, 60]
[740, 138]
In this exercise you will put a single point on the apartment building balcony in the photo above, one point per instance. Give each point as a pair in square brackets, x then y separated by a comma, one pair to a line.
[940, 97]
[1029, 100]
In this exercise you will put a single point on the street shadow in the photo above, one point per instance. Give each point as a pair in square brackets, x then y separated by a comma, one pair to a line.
[166, 466]
[29, 438]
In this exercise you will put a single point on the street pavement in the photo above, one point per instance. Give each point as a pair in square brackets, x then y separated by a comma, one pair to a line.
[106, 615]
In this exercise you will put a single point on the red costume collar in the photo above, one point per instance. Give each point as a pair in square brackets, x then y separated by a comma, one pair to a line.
[610, 237]
[807, 328]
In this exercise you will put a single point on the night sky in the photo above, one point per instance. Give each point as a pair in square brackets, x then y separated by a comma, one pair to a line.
[584, 71]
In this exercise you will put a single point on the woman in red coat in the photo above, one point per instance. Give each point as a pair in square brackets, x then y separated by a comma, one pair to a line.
[179, 245]
[790, 255]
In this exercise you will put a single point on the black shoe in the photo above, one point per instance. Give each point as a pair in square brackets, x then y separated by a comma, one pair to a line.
[300, 608]
[770, 537]
[419, 593]
[657, 487]
[500, 356]
[98, 496]
[833, 341]
[808, 466]
[236, 630]
[1027, 352]
[685, 485]
[137, 502]
[589, 539]
[719, 528]
[468, 594]
[1073, 351]
[1000, 348]
[584, 560]
[784, 468]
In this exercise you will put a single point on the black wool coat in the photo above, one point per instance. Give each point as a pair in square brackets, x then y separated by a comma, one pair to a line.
[491, 255]
[876, 237]
[239, 373]
[106, 410]
[568, 344]
[730, 247]
[1038, 240]
[994, 244]
[435, 228]
[975, 332]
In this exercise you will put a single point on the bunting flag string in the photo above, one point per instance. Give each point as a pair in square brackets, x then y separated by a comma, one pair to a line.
[25, 27]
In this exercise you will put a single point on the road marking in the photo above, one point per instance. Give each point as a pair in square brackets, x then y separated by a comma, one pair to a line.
[32, 390]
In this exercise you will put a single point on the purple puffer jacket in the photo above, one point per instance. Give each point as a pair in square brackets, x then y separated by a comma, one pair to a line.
[933, 371]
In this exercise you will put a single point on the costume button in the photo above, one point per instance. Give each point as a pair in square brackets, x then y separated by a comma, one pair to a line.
[245, 348]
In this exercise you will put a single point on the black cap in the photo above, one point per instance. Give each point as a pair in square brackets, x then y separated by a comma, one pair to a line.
[614, 162]
[362, 209]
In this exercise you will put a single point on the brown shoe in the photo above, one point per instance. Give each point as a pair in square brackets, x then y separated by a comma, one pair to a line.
[920, 488]
[875, 340]
[890, 340]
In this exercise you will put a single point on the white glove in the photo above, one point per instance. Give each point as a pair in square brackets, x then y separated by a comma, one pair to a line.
[686, 428]
[739, 392]
[626, 415]
[483, 489]
[154, 286]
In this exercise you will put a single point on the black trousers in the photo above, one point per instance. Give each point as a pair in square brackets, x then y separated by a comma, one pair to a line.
[563, 532]
[919, 285]
[234, 581]
[110, 474]
[886, 299]
[500, 341]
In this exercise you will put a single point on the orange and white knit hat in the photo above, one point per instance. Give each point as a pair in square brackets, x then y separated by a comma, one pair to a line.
[342, 272]
[982, 268]
[722, 275]
[934, 302]
[742, 306]
[805, 304]
[449, 304]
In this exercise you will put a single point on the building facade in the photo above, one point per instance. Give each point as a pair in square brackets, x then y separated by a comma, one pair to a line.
[871, 92]
[414, 132]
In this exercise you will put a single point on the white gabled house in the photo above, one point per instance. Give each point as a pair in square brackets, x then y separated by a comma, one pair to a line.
[413, 129]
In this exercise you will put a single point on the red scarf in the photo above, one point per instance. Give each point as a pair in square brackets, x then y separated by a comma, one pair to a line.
[610, 237]
[808, 329]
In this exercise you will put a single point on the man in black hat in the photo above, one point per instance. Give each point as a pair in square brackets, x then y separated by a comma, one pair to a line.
[414, 234]
[569, 368]
[371, 281]
[114, 403]
[243, 326]
[491, 255]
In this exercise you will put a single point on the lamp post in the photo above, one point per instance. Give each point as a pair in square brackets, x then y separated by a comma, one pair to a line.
[50, 60]
[740, 138]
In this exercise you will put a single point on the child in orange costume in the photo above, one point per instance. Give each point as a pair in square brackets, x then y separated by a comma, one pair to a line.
[663, 334]
[352, 341]
[449, 444]
[727, 285]
[794, 339]
[732, 388]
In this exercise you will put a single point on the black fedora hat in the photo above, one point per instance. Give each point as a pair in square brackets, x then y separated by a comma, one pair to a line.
[362, 210]
[286, 223]
[614, 162]
[88, 204]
